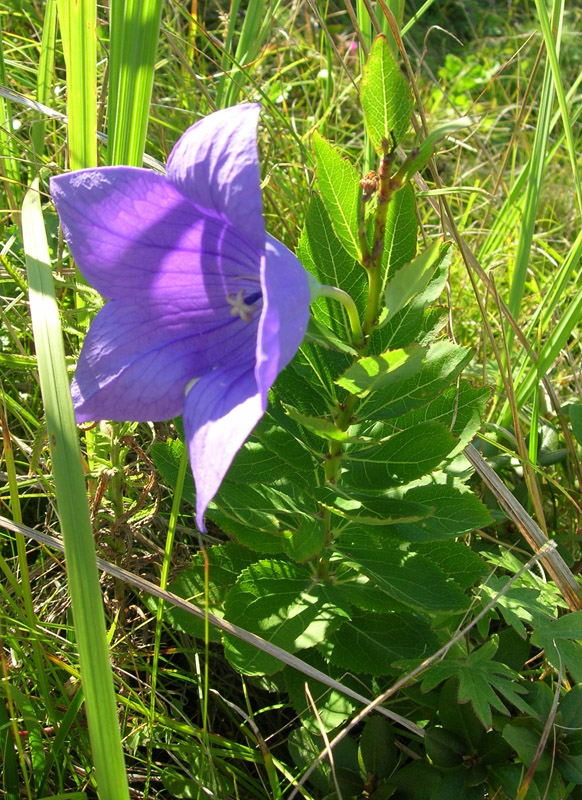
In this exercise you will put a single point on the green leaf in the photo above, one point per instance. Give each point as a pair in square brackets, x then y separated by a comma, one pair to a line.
[417, 780]
[333, 707]
[385, 95]
[443, 362]
[378, 753]
[402, 458]
[339, 184]
[444, 748]
[304, 749]
[407, 576]
[270, 455]
[575, 412]
[305, 541]
[481, 681]
[321, 252]
[318, 333]
[516, 604]
[324, 428]
[413, 278]
[427, 146]
[458, 717]
[508, 778]
[525, 742]
[225, 563]
[371, 643]
[455, 511]
[375, 373]
[455, 559]
[401, 233]
[368, 508]
[460, 407]
[560, 639]
[285, 605]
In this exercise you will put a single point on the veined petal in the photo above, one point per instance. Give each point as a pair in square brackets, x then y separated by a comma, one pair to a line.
[285, 312]
[220, 411]
[215, 165]
[135, 236]
[137, 361]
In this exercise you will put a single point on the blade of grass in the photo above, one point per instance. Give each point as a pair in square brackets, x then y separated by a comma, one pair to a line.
[8, 163]
[46, 65]
[135, 26]
[252, 38]
[73, 509]
[78, 20]
[552, 49]
[534, 185]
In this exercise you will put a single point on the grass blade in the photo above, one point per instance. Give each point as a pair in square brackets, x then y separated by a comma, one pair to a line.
[135, 26]
[73, 509]
[538, 164]
[78, 22]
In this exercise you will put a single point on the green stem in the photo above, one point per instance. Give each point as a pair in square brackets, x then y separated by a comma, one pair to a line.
[345, 299]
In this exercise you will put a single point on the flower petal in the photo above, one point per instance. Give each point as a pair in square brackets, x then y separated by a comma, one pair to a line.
[285, 312]
[215, 165]
[133, 235]
[137, 361]
[219, 413]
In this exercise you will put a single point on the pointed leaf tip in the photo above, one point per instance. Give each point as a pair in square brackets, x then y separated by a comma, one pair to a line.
[385, 94]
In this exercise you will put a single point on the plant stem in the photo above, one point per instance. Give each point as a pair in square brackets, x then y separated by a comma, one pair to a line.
[345, 299]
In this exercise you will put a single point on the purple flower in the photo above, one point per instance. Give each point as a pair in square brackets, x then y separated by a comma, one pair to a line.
[204, 307]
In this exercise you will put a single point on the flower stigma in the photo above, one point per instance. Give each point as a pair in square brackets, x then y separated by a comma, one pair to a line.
[242, 306]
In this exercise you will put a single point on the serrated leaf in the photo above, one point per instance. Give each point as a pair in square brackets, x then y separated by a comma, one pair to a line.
[409, 577]
[455, 559]
[305, 541]
[460, 407]
[400, 459]
[401, 233]
[285, 605]
[455, 511]
[560, 639]
[368, 508]
[309, 382]
[320, 251]
[385, 95]
[225, 563]
[517, 603]
[370, 643]
[339, 184]
[443, 362]
[413, 278]
[375, 373]
[481, 681]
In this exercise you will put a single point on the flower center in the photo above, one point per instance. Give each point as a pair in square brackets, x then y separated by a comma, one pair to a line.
[243, 306]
